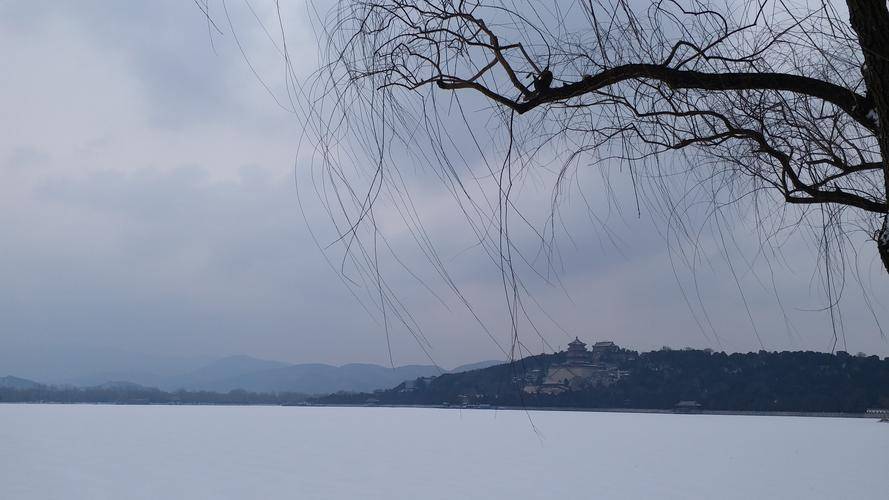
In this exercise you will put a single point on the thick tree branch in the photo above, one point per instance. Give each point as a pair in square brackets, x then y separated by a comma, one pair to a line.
[778, 96]
[851, 102]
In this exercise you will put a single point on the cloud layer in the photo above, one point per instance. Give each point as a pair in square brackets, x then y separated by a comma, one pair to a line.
[149, 205]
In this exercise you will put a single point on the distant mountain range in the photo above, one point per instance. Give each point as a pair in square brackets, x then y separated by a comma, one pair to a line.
[18, 383]
[259, 375]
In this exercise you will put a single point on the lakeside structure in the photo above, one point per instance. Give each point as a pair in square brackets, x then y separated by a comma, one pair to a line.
[881, 413]
[582, 368]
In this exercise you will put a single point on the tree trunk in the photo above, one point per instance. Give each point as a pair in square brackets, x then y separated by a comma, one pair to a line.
[870, 20]
[883, 242]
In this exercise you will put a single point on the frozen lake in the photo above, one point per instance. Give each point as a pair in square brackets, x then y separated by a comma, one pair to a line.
[214, 452]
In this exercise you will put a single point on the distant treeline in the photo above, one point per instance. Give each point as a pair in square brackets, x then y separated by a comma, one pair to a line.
[142, 395]
[761, 381]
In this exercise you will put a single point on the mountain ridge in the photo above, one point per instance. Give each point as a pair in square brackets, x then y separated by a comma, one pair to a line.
[261, 375]
[317, 378]
[13, 382]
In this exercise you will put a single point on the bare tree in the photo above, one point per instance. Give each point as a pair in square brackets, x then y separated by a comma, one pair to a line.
[770, 108]
[784, 98]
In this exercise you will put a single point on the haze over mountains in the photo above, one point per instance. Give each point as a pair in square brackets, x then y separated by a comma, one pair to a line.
[257, 375]
[17, 382]
[260, 375]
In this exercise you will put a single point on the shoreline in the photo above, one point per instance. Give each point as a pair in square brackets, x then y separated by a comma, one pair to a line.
[750, 413]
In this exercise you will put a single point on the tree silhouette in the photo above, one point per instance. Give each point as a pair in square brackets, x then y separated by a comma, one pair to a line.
[768, 110]
[781, 100]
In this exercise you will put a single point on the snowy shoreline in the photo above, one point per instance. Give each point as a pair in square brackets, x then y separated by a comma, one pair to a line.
[490, 408]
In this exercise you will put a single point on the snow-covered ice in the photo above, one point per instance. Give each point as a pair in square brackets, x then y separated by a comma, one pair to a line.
[213, 452]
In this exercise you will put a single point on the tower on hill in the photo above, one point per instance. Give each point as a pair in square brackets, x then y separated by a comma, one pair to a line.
[577, 352]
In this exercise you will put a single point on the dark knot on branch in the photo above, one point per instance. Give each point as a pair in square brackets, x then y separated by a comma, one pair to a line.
[542, 84]
[543, 81]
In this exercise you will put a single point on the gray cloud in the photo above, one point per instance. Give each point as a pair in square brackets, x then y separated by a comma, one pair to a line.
[148, 205]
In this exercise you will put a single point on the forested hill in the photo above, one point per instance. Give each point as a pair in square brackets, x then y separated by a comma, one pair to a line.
[761, 381]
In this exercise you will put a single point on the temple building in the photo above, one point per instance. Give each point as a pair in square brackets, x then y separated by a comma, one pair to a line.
[581, 369]
[577, 352]
[603, 349]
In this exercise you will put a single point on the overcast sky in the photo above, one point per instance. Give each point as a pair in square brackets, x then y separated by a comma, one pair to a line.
[148, 204]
